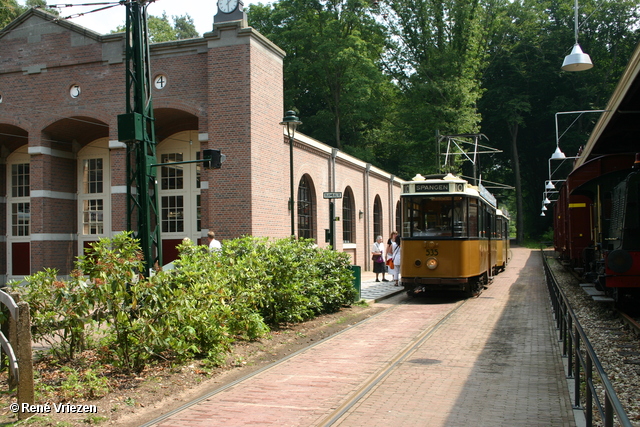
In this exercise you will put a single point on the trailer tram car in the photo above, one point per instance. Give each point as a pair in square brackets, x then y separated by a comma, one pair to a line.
[597, 224]
[453, 236]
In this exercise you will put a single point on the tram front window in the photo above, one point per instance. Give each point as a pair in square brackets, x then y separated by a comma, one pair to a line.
[435, 217]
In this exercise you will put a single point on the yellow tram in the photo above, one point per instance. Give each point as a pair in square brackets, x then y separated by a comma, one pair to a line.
[453, 235]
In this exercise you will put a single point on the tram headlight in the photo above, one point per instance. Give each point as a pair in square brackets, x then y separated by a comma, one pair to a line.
[432, 263]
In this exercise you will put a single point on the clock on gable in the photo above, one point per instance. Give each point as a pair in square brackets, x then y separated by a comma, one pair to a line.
[230, 10]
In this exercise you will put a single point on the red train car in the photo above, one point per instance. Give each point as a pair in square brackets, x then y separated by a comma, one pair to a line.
[596, 222]
[584, 203]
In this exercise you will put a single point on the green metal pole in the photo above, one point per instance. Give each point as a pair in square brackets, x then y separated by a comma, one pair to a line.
[142, 188]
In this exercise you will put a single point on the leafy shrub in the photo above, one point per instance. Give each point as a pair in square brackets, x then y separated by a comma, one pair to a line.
[196, 309]
[60, 311]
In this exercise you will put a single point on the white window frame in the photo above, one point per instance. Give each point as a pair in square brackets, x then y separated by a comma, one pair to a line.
[188, 144]
[98, 149]
[20, 156]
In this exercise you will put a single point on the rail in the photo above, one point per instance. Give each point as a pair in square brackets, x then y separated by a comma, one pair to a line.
[583, 363]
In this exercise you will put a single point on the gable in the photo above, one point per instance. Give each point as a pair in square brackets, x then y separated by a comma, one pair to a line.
[37, 40]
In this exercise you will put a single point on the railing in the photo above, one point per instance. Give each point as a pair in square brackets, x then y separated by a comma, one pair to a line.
[583, 363]
[18, 350]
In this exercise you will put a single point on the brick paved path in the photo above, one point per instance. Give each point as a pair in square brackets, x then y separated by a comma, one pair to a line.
[493, 363]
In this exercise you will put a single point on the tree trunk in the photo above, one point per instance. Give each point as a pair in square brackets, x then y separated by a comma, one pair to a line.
[513, 130]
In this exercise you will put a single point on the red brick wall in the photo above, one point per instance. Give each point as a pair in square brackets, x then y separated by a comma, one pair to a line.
[270, 159]
[228, 85]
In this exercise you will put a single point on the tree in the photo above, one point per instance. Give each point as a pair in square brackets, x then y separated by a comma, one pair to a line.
[160, 29]
[184, 27]
[9, 10]
[525, 87]
[438, 59]
[40, 4]
[332, 70]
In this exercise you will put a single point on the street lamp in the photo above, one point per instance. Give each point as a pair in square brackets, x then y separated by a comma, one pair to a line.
[577, 60]
[291, 122]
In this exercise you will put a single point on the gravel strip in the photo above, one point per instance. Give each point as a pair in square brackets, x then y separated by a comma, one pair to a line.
[616, 346]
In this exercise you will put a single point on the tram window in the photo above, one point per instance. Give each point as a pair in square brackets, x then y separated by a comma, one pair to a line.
[459, 217]
[491, 225]
[473, 218]
[439, 216]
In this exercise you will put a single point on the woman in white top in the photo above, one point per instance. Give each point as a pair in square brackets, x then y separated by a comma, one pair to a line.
[395, 257]
[377, 256]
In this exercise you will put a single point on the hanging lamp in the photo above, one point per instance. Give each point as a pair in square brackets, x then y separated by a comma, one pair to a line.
[577, 60]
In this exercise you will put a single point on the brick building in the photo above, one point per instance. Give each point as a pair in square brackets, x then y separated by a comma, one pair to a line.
[63, 172]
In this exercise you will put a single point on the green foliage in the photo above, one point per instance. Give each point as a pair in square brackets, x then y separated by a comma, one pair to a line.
[161, 30]
[290, 280]
[40, 4]
[196, 309]
[9, 10]
[380, 78]
[81, 385]
[60, 311]
[525, 88]
[548, 235]
[333, 72]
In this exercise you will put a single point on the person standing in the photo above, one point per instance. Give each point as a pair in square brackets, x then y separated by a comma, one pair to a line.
[395, 257]
[392, 237]
[214, 245]
[377, 256]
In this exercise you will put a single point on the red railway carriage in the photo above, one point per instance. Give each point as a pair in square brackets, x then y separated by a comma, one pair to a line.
[583, 207]
[597, 222]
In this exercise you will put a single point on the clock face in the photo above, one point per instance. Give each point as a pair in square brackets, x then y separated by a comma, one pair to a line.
[227, 6]
[75, 91]
[160, 81]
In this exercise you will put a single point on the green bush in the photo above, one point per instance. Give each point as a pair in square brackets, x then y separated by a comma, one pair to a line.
[197, 309]
[60, 311]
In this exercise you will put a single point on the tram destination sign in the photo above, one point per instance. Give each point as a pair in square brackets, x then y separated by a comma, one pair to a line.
[332, 195]
[432, 188]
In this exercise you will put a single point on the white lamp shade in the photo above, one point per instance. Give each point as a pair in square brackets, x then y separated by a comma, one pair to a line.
[546, 201]
[558, 154]
[544, 208]
[549, 186]
[577, 60]
[542, 214]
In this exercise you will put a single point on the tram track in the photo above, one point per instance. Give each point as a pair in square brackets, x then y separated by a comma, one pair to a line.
[631, 322]
[354, 397]
[247, 377]
[383, 373]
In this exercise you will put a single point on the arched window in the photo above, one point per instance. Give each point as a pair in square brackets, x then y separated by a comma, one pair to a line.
[377, 217]
[348, 219]
[305, 208]
[179, 191]
[94, 193]
[19, 213]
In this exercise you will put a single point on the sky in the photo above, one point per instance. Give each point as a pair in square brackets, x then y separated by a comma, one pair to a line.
[103, 22]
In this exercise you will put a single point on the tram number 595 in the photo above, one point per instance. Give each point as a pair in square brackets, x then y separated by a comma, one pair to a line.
[432, 252]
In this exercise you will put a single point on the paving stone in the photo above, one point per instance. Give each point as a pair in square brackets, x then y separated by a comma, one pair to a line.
[494, 362]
